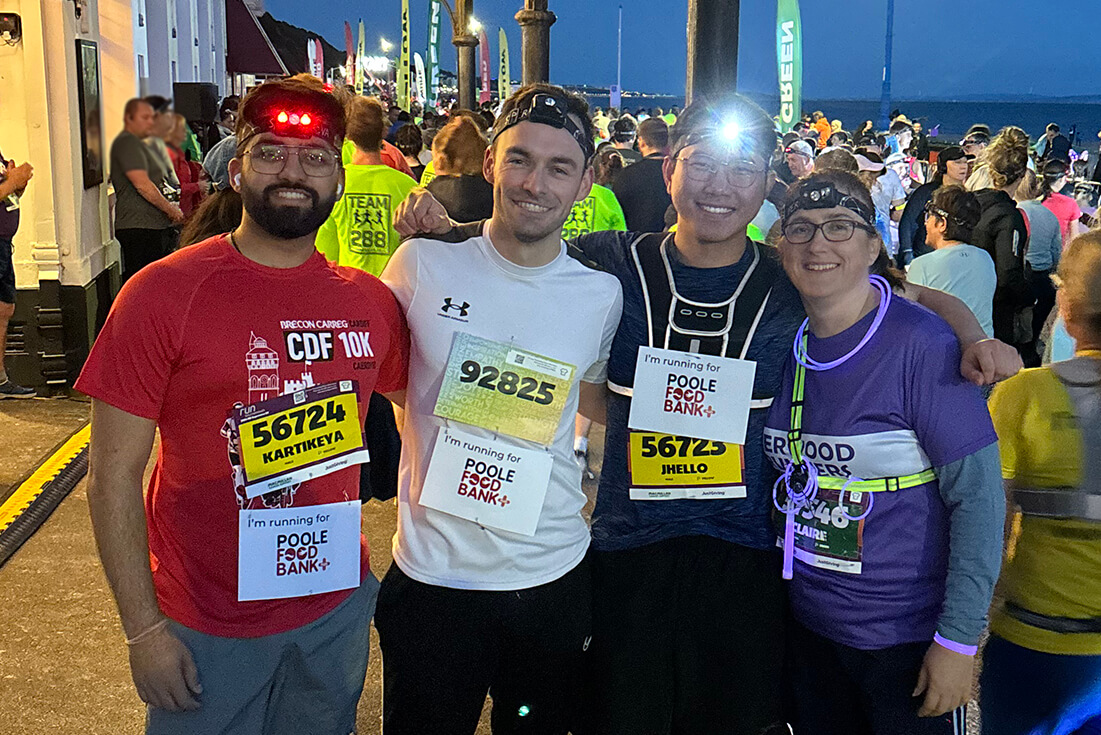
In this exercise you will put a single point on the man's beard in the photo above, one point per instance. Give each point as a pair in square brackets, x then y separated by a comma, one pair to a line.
[286, 222]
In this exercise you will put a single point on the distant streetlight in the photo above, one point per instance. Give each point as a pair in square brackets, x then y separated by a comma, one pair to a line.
[376, 64]
[475, 25]
[385, 45]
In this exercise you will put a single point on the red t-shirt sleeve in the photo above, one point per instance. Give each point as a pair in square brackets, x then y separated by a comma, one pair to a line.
[131, 361]
[393, 158]
[393, 372]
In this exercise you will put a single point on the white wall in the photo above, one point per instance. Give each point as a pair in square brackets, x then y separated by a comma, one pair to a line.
[118, 49]
[218, 39]
[139, 22]
[64, 227]
[198, 48]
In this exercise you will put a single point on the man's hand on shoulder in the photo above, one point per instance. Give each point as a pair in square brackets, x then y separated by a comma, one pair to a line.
[421, 213]
[989, 360]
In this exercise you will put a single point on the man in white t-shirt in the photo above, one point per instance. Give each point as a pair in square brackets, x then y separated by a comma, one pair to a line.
[490, 589]
[963, 270]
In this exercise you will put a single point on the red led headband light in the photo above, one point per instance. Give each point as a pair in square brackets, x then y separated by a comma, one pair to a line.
[294, 118]
[287, 118]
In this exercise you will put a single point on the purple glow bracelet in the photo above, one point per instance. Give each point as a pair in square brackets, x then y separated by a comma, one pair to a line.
[953, 646]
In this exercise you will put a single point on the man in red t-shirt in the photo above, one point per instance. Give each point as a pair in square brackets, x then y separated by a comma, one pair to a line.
[243, 583]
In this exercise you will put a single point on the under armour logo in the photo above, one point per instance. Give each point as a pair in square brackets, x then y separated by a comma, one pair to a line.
[448, 306]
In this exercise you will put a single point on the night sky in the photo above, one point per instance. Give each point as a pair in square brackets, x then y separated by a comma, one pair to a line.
[943, 48]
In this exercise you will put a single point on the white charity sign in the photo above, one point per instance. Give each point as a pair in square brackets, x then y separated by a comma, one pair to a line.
[294, 552]
[694, 395]
[489, 482]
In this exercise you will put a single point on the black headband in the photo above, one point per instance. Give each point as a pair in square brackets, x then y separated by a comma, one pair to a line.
[548, 110]
[825, 196]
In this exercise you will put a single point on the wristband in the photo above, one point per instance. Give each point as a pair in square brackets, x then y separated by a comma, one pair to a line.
[953, 646]
[147, 632]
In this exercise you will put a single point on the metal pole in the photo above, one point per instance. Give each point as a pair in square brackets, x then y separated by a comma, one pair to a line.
[712, 47]
[885, 98]
[619, 54]
[535, 21]
[465, 42]
[467, 46]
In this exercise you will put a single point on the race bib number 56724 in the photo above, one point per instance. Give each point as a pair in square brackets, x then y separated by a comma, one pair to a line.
[299, 436]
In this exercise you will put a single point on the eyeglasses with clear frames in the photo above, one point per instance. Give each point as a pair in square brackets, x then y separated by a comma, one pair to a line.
[271, 159]
[702, 167]
[834, 230]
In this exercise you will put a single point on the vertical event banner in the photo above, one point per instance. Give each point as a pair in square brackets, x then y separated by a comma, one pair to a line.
[789, 59]
[361, 50]
[403, 61]
[350, 58]
[483, 42]
[418, 73]
[504, 76]
[433, 71]
[319, 60]
[311, 64]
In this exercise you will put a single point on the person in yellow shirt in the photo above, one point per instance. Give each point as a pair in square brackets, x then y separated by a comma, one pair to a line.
[597, 212]
[1042, 666]
[360, 231]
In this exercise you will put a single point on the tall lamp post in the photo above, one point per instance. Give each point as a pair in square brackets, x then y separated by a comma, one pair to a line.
[465, 41]
[712, 47]
[535, 21]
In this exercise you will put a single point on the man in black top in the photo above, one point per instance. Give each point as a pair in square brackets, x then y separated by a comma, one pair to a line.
[1055, 146]
[640, 188]
[624, 131]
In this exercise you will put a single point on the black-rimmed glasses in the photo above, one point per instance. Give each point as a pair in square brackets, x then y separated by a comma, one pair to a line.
[834, 230]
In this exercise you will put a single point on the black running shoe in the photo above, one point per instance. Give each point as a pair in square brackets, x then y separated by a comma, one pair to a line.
[9, 389]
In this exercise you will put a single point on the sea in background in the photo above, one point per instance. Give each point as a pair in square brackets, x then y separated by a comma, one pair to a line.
[953, 117]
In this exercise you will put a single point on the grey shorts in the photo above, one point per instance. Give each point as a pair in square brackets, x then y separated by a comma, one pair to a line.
[306, 680]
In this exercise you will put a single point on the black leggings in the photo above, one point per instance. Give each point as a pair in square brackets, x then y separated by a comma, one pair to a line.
[688, 639]
[444, 649]
[846, 691]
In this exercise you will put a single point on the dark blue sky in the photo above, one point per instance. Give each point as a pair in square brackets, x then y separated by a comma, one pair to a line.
[943, 48]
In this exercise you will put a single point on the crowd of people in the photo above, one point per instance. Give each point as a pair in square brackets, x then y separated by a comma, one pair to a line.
[800, 519]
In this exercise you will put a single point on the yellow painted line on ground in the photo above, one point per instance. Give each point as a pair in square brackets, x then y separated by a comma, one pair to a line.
[26, 493]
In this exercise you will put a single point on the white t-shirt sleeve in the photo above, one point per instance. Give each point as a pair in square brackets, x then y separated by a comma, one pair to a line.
[894, 187]
[401, 273]
[598, 371]
[916, 272]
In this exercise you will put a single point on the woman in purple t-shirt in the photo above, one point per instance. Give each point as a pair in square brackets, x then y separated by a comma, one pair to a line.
[889, 490]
